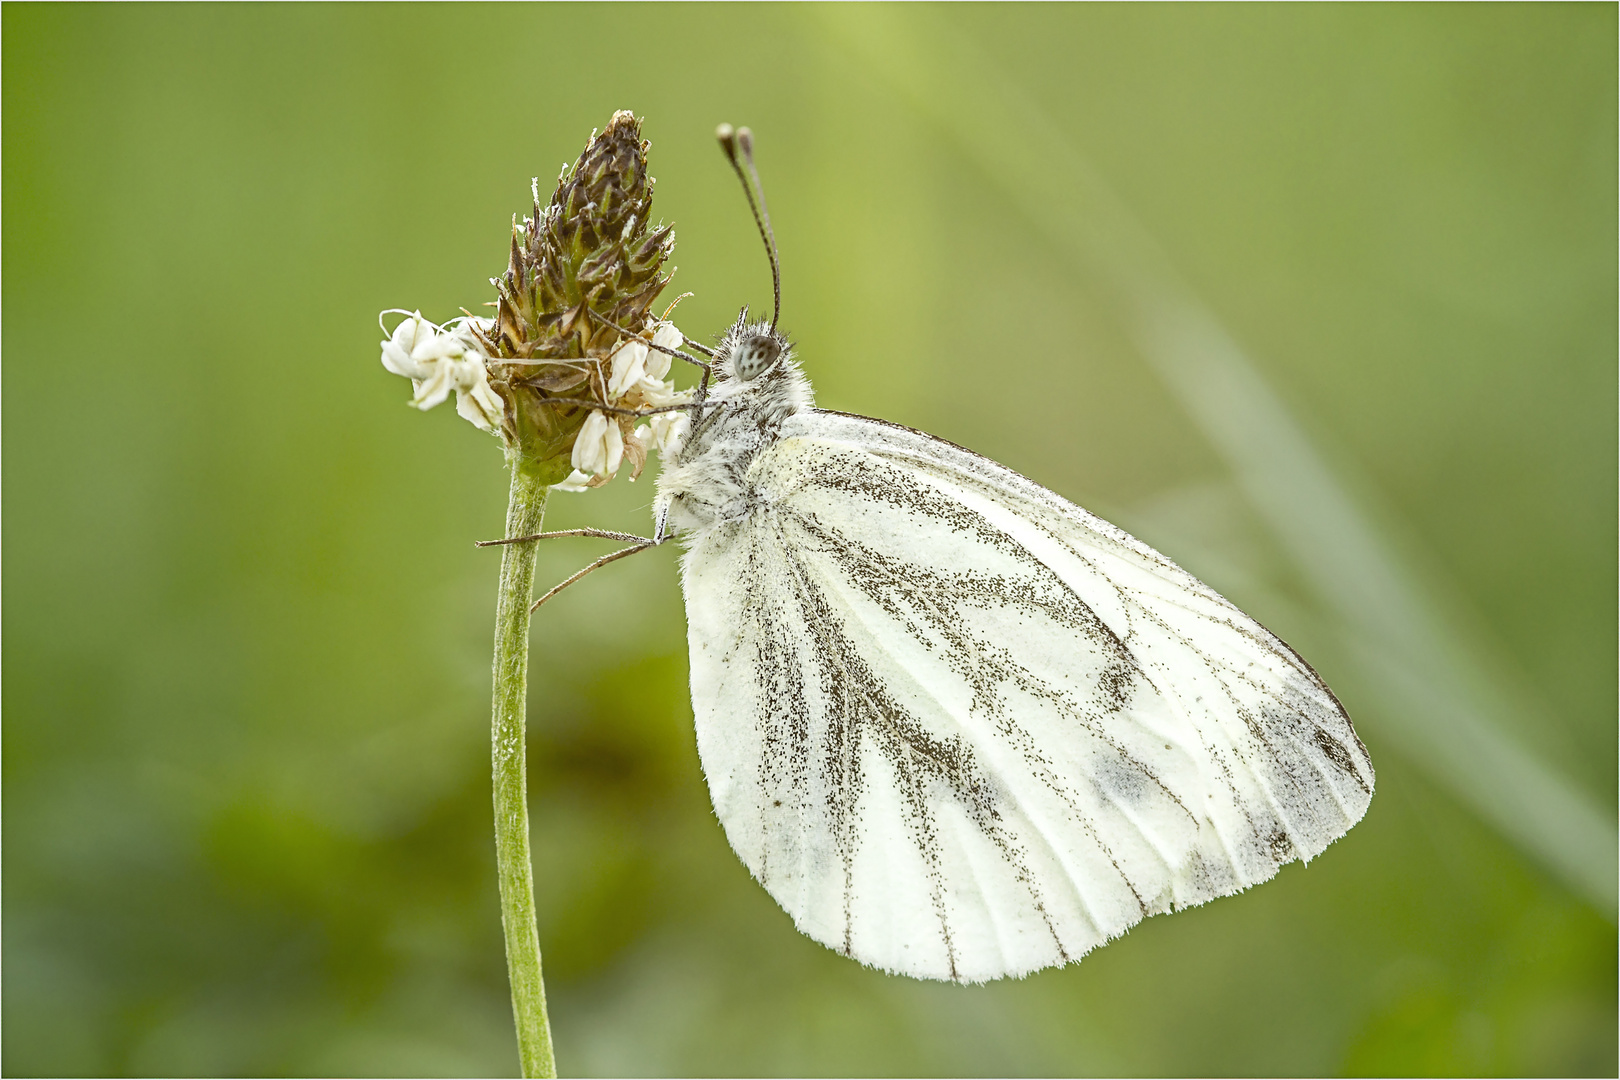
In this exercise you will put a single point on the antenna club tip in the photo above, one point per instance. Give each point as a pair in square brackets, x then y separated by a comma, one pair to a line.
[728, 141]
[745, 139]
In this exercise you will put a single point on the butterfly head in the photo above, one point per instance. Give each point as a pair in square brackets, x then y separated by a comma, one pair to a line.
[752, 350]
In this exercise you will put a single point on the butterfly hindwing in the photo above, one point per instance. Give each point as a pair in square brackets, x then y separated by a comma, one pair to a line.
[960, 728]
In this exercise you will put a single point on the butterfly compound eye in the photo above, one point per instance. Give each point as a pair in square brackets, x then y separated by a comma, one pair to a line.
[755, 355]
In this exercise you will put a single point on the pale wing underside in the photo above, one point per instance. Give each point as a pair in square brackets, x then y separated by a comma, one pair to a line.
[960, 728]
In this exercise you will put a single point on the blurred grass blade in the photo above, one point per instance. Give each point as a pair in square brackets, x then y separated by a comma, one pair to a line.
[1441, 705]
[1446, 712]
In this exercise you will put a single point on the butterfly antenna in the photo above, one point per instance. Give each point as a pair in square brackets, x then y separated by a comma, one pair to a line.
[731, 141]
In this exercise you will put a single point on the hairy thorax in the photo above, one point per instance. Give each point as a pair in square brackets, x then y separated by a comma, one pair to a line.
[704, 481]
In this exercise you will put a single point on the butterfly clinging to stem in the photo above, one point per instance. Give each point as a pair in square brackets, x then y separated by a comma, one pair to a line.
[957, 726]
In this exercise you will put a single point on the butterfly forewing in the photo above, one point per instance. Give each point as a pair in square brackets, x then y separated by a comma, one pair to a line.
[959, 728]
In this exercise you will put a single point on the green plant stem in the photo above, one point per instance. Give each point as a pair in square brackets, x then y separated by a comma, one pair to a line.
[523, 517]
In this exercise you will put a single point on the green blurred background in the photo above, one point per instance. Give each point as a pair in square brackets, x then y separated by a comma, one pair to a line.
[246, 781]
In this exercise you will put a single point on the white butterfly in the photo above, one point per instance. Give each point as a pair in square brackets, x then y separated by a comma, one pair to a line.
[957, 726]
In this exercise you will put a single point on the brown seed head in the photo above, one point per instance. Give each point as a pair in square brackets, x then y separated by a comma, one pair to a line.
[584, 263]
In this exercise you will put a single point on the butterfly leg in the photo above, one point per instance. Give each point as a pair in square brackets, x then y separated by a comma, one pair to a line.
[614, 410]
[597, 565]
[688, 357]
[702, 394]
[703, 384]
[638, 543]
[704, 418]
[602, 533]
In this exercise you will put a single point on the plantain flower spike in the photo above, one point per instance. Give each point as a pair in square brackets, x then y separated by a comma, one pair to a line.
[566, 359]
